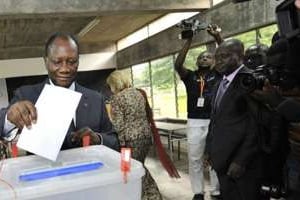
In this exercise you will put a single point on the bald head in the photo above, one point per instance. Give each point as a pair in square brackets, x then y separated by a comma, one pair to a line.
[234, 46]
[229, 56]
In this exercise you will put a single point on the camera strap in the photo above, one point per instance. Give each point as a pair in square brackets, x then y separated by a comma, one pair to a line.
[200, 102]
[201, 86]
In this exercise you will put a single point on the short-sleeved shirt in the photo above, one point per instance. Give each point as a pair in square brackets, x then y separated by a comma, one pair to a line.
[192, 85]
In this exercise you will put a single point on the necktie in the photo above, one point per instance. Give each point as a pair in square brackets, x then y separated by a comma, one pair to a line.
[221, 90]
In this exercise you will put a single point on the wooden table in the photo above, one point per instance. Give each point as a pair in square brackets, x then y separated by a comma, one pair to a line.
[174, 132]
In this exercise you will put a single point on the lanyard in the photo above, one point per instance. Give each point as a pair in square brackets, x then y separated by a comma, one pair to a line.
[201, 86]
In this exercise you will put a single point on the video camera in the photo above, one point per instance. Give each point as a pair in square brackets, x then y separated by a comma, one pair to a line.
[277, 76]
[281, 68]
[191, 27]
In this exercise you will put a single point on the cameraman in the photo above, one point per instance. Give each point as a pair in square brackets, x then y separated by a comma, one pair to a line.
[255, 56]
[289, 108]
[198, 86]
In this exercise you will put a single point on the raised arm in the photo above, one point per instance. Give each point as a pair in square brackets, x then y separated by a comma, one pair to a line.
[181, 70]
[215, 31]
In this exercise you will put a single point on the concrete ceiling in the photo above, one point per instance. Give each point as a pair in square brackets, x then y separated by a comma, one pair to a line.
[24, 38]
[25, 25]
[114, 27]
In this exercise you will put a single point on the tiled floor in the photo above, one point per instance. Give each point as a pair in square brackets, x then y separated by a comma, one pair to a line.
[172, 189]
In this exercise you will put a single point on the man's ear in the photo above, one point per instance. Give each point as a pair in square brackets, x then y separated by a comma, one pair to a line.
[46, 61]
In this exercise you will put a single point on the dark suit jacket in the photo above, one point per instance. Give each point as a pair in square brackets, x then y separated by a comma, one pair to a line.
[90, 112]
[232, 133]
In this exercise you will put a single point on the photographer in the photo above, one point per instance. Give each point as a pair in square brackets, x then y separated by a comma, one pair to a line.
[255, 56]
[198, 86]
[284, 96]
[289, 108]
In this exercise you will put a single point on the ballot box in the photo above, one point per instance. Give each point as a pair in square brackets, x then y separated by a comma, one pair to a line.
[78, 174]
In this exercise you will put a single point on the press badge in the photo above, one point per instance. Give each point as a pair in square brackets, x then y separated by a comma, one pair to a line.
[200, 102]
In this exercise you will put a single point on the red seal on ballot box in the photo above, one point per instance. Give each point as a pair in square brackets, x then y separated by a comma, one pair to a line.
[125, 162]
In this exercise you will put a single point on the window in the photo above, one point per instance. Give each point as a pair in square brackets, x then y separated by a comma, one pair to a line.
[141, 78]
[248, 38]
[266, 34]
[163, 87]
[181, 98]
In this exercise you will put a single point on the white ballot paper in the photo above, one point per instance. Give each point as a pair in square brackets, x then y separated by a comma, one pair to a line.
[56, 107]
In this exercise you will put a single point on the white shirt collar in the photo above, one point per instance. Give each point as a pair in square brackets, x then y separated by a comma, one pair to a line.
[231, 76]
[72, 86]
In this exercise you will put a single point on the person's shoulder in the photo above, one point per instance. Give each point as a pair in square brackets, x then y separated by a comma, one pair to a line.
[245, 69]
[190, 75]
[190, 72]
[128, 92]
[88, 92]
[32, 87]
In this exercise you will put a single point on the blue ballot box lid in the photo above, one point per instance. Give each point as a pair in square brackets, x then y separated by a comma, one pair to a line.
[81, 173]
[50, 172]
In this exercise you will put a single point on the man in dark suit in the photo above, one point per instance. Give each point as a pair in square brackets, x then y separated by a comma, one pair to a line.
[62, 60]
[232, 148]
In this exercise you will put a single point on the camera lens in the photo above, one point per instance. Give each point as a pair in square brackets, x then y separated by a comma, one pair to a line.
[247, 82]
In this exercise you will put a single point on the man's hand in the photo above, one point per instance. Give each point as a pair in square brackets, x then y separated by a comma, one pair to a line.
[235, 170]
[206, 160]
[214, 30]
[22, 113]
[76, 137]
[269, 95]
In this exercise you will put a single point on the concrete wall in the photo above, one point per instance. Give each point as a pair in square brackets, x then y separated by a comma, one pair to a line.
[94, 7]
[233, 18]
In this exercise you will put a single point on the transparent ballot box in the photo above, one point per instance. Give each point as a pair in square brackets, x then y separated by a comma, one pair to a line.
[78, 174]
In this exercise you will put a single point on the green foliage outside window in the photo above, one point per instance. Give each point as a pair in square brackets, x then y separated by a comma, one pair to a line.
[248, 38]
[163, 73]
[164, 102]
[267, 33]
[141, 79]
[181, 98]
[141, 75]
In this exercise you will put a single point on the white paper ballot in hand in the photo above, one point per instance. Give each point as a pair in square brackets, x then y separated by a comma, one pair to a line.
[56, 107]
